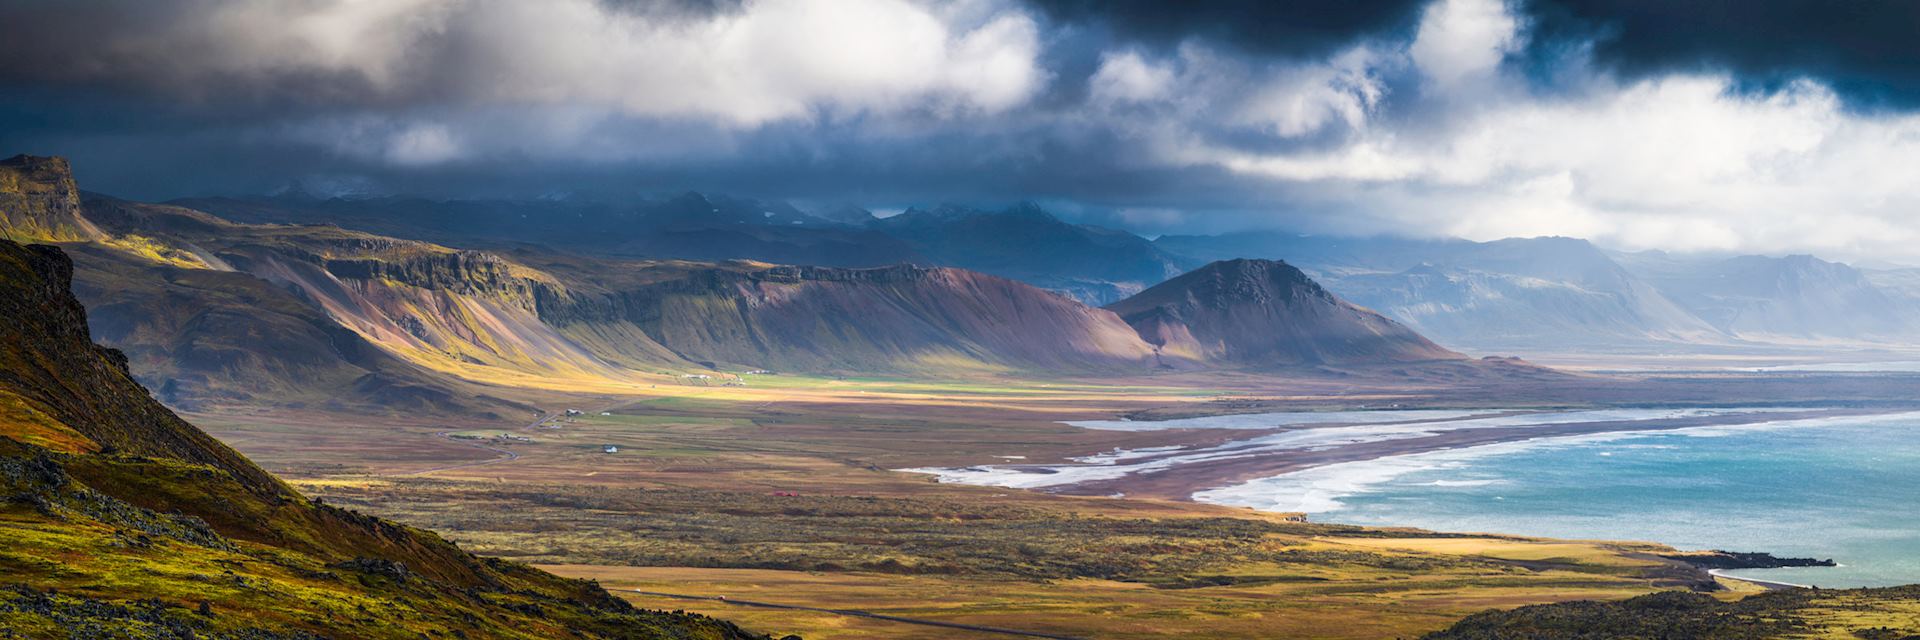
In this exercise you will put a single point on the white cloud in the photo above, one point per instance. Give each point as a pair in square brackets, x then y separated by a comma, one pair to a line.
[1686, 162]
[1301, 100]
[770, 60]
[367, 39]
[1420, 132]
[1126, 77]
[1461, 40]
[419, 145]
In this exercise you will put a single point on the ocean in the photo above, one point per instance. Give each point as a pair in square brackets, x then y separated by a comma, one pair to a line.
[1839, 488]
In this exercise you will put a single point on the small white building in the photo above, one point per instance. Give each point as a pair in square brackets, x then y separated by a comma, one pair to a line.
[610, 449]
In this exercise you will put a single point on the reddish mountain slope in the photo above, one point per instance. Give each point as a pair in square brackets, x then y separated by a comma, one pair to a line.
[892, 319]
[1267, 313]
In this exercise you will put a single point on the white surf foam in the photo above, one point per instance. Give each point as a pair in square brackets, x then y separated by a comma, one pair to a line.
[1321, 489]
[1252, 421]
[1120, 463]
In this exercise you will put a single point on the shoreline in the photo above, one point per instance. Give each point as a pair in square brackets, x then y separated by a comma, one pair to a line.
[1180, 482]
[1191, 481]
[1771, 585]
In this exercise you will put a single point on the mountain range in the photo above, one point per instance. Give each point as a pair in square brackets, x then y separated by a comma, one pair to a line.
[1094, 264]
[1548, 294]
[212, 311]
[332, 302]
[1518, 295]
[1797, 297]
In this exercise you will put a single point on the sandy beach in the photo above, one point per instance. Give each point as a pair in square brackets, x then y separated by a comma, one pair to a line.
[1177, 473]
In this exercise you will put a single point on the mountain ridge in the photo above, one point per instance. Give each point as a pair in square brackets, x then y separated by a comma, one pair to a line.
[411, 323]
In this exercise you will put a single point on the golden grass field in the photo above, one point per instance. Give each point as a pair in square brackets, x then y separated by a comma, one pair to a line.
[862, 537]
[688, 507]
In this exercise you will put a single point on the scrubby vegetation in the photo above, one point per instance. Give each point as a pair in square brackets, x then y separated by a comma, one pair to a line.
[1871, 614]
[565, 524]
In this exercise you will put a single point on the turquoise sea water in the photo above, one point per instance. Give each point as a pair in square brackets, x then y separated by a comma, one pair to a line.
[1842, 488]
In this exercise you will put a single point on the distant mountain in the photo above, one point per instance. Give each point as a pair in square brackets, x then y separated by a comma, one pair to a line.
[1321, 255]
[1093, 264]
[1521, 294]
[1795, 297]
[1901, 284]
[1267, 313]
[1507, 312]
[689, 226]
[164, 513]
[846, 214]
[1026, 243]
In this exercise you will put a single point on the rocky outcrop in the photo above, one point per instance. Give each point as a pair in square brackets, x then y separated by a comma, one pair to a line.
[39, 202]
[1746, 560]
[465, 272]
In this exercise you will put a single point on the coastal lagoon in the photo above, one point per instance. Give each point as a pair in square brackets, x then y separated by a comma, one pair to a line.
[1841, 488]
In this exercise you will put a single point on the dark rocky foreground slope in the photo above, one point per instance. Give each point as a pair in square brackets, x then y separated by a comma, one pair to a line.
[119, 519]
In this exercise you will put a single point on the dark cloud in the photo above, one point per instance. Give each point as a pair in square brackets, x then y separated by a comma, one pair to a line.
[1292, 29]
[1353, 115]
[1865, 49]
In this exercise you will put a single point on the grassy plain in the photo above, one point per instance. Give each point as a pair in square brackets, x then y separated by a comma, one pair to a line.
[1088, 567]
[782, 490]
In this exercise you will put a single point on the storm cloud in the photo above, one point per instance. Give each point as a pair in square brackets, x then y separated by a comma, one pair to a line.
[1768, 127]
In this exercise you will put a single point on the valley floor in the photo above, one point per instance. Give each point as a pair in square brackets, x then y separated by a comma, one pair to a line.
[784, 492]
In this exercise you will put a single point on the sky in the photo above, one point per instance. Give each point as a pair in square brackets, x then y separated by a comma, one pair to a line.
[1760, 126]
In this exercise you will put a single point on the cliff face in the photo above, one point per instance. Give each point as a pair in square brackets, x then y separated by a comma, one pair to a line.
[465, 272]
[39, 202]
[1267, 313]
[889, 319]
[111, 501]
